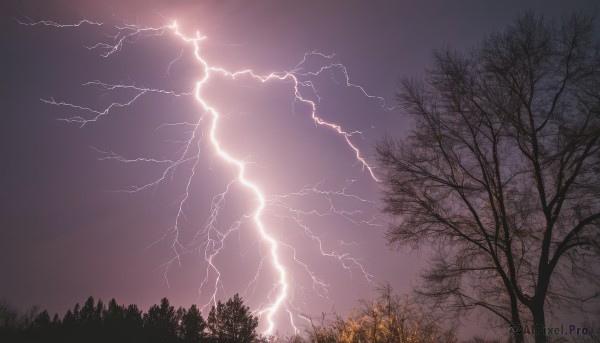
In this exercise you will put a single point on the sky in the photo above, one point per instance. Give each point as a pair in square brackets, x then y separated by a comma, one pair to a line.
[70, 226]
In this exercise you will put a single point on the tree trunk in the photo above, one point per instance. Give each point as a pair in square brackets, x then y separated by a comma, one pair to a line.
[516, 327]
[539, 322]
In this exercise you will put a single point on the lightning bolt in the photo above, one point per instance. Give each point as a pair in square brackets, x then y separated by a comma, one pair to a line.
[211, 238]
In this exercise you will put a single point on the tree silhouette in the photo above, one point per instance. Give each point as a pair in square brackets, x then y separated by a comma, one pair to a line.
[192, 325]
[41, 328]
[133, 324]
[69, 327]
[133, 316]
[68, 319]
[500, 174]
[161, 322]
[114, 316]
[56, 320]
[232, 322]
[42, 319]
[77, 313]
[389, 318]
[87, 312]
[9, 316]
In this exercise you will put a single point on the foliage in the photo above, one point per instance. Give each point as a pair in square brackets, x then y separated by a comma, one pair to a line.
[95, 322]
[192, 325]
[387, 319]
[232, 322]
[161, 322]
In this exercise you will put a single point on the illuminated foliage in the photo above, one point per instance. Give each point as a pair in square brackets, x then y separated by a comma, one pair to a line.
[387, 319]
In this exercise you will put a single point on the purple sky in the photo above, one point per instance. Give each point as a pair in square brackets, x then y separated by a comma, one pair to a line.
[65, 233]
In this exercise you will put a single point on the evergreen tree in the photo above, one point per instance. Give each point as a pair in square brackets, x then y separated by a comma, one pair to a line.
[114, 313]
[42, 320]
[192, 325]
[133, 316]
[232, 322]
[100, 308]
[87, 311]
[56, 320]
[77, 313]
[161, 322]
[40, 329]
[113, 322]
[133, 323]
[69, 319]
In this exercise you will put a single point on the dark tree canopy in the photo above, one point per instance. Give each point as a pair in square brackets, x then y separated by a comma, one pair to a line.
[94, 322]
[161, 322]
[501, 172]
[232, 322]
[192, 325]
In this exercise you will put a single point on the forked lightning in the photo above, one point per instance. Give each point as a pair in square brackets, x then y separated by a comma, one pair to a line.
[212, 237]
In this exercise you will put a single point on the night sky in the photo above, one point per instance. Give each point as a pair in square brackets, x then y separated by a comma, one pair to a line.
[68, 229]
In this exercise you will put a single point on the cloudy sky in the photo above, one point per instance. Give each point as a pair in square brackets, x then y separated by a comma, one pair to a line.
[69, 226]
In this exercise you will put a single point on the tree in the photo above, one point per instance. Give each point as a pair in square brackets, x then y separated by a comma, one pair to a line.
[28, 326]
[56, 320]
[113, 322]
[393, 319]
[41, 328]
[68, 319]
[232, 322]
[161, 322]
[133, 316]
[9, 316]
[192, 325]
[87, 312]
[42, 320]
[500, 175]
[389, 318]
[114, 314]
[133, 323]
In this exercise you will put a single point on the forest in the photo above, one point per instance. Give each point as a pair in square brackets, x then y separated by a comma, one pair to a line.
[96, 321]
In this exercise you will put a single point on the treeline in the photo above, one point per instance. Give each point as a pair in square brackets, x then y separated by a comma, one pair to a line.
[229, 322]
[388, 318]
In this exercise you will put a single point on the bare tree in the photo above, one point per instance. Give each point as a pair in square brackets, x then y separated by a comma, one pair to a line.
[392, 318]
[389, 318]
[500, 174]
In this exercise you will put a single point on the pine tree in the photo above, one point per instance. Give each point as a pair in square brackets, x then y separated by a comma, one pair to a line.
[232, 322]
[161, 322]
[192, 325]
